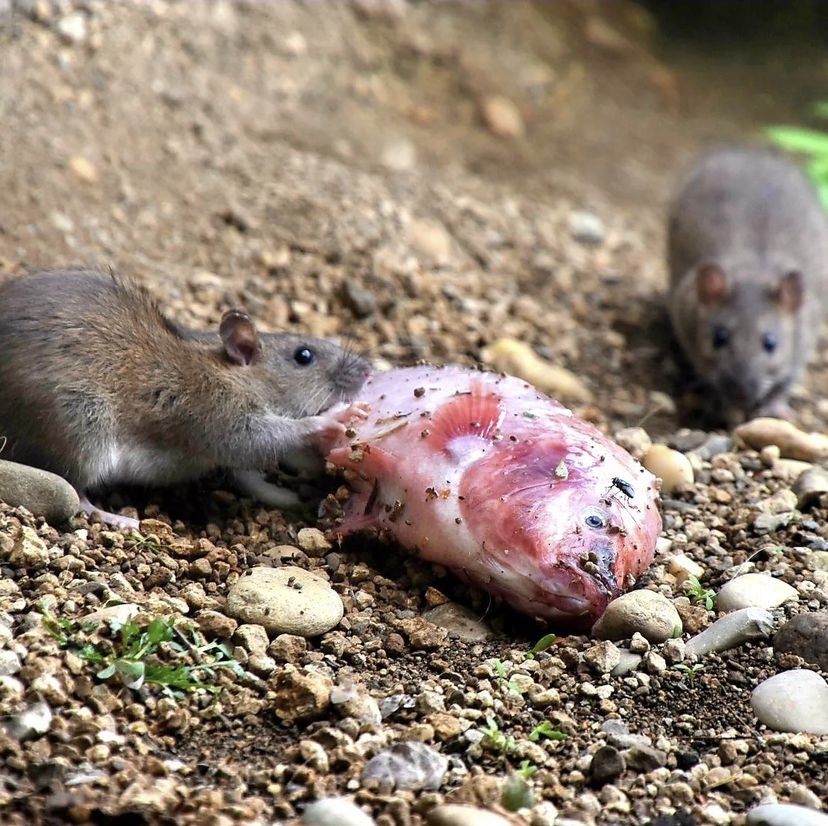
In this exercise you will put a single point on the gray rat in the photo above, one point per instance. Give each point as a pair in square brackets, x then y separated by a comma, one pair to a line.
[748, 258]
[98, 386]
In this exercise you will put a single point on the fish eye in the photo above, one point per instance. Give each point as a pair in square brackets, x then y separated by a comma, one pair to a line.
[769, 342]
[595, 518]
[304, 356]
[721, 336]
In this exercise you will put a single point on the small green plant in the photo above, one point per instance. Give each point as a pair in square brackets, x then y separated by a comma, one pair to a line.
[500, 741]
[500, 670]
[690, 670]
[527, 769]
[809, 142]
[698, 593]
[546, 730]
[541, 645]
[138, 654]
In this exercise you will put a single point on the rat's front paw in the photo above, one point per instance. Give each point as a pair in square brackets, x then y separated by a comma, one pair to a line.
[332, 425]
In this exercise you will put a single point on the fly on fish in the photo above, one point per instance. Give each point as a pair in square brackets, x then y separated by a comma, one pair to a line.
[486, 475]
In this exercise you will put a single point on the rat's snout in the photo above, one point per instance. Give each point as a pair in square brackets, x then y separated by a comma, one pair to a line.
[350, 375]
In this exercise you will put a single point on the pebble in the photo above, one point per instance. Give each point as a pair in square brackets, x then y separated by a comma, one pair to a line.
[772, 702]
[628, 662]
[44, 494]
[792, 442]
[805, 635]
[453, 814]
[119, 614]
[635, 440]
[673, 468]
[335, 811]
[730, 631]
[508, 355]
[810, 486]
[607, 764]
[603, 657]
[713, 445]
[785, 814]
[31, 722]
[586, 227]
[459, 621]
[431, 242]
[287, 600]
[409, 765]
[754, 590]
[73, 27]
[353, 700]
[502, 117]
[682, 567]
[648, 612]
[766, 523]
[9, 663]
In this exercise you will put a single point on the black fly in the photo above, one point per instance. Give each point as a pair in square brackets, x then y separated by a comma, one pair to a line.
[624, 486]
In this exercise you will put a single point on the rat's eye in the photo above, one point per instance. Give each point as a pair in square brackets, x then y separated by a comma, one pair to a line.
[595, 518]
[304, 356]
[721, 336]
[769, 342]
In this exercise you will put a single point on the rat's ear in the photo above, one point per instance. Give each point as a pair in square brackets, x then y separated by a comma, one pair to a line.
[241, 343]
[711, 284]
[790, 291]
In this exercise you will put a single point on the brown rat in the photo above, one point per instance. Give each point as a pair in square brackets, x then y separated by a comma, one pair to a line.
[748, 257]
[99, 387]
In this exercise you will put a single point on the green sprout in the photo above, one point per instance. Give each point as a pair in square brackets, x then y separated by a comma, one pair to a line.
[500, 741]
[138, 654]
[541, 645]
[547, 730]
[500, 670]
[690, 670]
[809, 142]
[698, 593]
[527, 769]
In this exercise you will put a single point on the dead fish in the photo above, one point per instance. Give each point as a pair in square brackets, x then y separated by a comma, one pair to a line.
[484, 474]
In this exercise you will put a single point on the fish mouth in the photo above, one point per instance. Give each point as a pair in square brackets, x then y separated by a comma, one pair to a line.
[598, 563]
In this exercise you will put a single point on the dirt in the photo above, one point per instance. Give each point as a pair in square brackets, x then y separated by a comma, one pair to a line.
[276, 157]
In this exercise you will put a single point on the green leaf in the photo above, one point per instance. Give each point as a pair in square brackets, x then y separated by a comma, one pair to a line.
[543, 643]
[107, 672]
[546, 729]
[130, 672]
[159, 631]
[799, 139]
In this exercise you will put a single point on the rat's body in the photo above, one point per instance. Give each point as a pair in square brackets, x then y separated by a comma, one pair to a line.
[99, 387]
[748, 257]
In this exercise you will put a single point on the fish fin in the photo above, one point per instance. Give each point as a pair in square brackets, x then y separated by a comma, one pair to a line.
[475, 415]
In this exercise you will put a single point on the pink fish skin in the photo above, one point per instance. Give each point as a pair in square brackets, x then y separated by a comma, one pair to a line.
[486, 475]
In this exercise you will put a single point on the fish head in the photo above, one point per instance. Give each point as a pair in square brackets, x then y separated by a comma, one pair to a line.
[566, 523]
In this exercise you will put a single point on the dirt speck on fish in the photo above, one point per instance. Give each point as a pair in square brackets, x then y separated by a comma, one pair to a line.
[486, 475]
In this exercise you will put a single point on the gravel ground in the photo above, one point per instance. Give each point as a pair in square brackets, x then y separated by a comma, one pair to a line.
[419, 180]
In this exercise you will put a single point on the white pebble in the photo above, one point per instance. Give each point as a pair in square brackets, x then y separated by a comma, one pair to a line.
[287, 600]
[336, 811]
[731, 630]
[453, 814]
[785, 814]
[648, 612]
[754, 591]
[673, 468]
[772, 702]
[682, 567]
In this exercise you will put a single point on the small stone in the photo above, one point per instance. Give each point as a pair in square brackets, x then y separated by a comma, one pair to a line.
[502, 117]
[313, 542]
[682, 567]
[285, 600]
[673, 468]
[408, 765]
[644, 758]
[430, 241]
[730, 631]
[648, 612]
[754, 590]
[295, 44]
[399, 155]
[783, 501]
[628, 662]
[785, 814]
[31, 722]
[459, 621]
[635, 440]
[517, 358]
[360, 301]
[215, 625]
[335, 811]
[119, 614]
[773, 704]
[44, 494]
[805, 635]
[84, 170]
[602, 657]
[792, 442]
[252, 637]
[9, 663]
[73, 27]
[607, 764]
[29, 551]
[300, 694]
[586, 228]
[454, 814]
[810, 487]
[354, 700]
[766, 523]
[288, 648]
